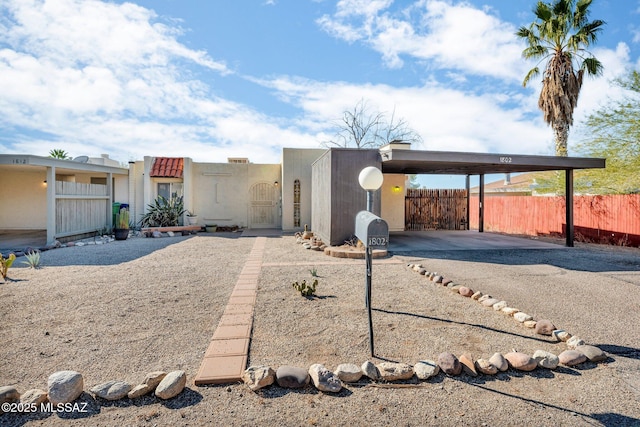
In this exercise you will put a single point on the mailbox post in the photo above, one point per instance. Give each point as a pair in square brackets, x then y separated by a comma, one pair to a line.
[373, 232]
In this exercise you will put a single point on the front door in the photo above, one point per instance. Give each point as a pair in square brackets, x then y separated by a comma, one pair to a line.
[263, 207]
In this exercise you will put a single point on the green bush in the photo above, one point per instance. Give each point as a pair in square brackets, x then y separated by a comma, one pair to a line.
[163, 212]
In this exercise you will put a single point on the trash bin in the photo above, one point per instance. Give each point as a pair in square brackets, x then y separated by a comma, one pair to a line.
[115, 211]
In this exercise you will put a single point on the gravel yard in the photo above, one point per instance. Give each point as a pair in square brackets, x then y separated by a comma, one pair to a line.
[121, 310]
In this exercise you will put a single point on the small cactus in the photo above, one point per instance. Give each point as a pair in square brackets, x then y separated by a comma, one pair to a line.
[304, 289]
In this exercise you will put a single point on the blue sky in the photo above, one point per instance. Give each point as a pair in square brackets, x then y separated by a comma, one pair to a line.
[216, 79]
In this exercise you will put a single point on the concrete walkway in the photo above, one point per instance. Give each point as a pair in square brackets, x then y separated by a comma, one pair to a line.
[226, 357]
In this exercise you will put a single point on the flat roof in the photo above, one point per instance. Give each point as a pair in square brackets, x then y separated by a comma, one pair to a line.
[463, 163]
[31, 162]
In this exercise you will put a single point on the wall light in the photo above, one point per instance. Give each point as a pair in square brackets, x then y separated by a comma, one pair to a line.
[397, 189]
[276, 183]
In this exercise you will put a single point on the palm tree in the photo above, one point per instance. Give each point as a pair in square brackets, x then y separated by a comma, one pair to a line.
[561, 35]
[58, 153]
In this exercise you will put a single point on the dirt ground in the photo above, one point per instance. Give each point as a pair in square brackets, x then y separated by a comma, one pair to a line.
[118, 311]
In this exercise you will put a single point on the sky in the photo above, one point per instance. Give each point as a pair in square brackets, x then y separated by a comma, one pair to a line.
[213, 79]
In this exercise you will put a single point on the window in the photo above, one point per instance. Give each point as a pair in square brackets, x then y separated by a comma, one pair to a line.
[169, 189]
[296, 203]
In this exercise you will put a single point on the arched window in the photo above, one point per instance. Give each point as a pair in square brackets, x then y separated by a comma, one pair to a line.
[296, 203]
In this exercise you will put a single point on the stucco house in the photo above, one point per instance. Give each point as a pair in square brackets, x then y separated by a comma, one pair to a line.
[309, 186]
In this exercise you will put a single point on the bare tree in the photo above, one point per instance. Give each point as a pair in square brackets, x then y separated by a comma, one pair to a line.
[361, 128]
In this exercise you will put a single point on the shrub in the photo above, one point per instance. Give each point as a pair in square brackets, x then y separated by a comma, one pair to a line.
[163, 212]
[304, 289]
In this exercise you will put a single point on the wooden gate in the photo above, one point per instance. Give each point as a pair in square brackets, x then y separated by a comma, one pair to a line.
[262, 212]
[435, 210]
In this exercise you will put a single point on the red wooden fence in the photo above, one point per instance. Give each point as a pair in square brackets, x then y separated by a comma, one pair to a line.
[607, 219]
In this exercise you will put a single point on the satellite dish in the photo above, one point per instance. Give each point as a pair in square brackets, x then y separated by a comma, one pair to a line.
[81, 159]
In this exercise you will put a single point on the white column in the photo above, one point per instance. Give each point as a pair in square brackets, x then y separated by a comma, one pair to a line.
[51, 204]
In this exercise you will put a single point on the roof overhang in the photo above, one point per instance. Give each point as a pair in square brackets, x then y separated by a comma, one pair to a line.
[28, 162]
[461, 163]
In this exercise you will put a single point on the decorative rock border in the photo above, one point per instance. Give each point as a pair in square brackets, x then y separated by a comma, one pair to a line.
[64, 387]
[324, 380]
[314, 243]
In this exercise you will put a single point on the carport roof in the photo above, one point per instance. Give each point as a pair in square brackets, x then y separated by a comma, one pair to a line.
[462, 163]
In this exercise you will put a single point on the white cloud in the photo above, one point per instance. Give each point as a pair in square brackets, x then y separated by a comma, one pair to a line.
[448, 36]
[101, 77]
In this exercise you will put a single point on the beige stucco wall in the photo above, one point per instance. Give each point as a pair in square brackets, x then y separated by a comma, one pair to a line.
[392, 209]
[27, 194]
[296, 164]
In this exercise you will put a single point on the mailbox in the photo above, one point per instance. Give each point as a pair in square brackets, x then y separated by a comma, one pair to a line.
[372, 230]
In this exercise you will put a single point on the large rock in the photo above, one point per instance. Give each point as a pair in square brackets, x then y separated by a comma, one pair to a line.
[522, 317]
[486, 367]
[257, 377]
[370, 370]
[139, 391]
[574, 342]
[465, 292]
[510, 311]
[154, 378]
[489, 302]
[323, 379]
[561, 335]
[171, 385]
[426, 369]
[292, 377]
[111, 390]
[35, 396]
[348, 372]
[390, 371]
[468, 365]
[9, 394]
[545, 327]
[449, 364]
[64, 386]
[572, 357]
[499, 362]
[499, 305]
[521, 361]
[593, 353]
[546, 359]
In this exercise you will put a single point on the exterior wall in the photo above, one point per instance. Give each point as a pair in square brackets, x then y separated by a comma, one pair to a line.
[27, 194]
[297, 164]
[335, 180]
[392, 201]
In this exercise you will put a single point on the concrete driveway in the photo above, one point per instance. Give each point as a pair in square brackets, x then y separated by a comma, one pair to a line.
[444, 240]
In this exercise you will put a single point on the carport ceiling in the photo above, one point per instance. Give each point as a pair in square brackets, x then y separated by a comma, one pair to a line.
[458, 163]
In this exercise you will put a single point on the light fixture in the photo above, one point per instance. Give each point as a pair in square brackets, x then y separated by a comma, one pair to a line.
[276, 183]
[397, 189]
[370, 178]
[44, 182]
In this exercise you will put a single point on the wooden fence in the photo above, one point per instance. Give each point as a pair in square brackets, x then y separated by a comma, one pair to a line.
[427, 209]
[80, 208]
[613, 219]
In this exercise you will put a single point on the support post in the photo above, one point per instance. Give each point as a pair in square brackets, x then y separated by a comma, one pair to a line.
[51, 204]
[481, 206]
[569, 206]
[468, 187]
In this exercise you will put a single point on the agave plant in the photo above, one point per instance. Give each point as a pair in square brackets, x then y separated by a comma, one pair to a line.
[163, 212]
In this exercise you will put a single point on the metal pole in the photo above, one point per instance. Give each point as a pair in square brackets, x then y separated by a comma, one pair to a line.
[367, 257]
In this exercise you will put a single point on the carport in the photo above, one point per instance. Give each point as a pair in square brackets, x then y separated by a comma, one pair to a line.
[404, 161]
